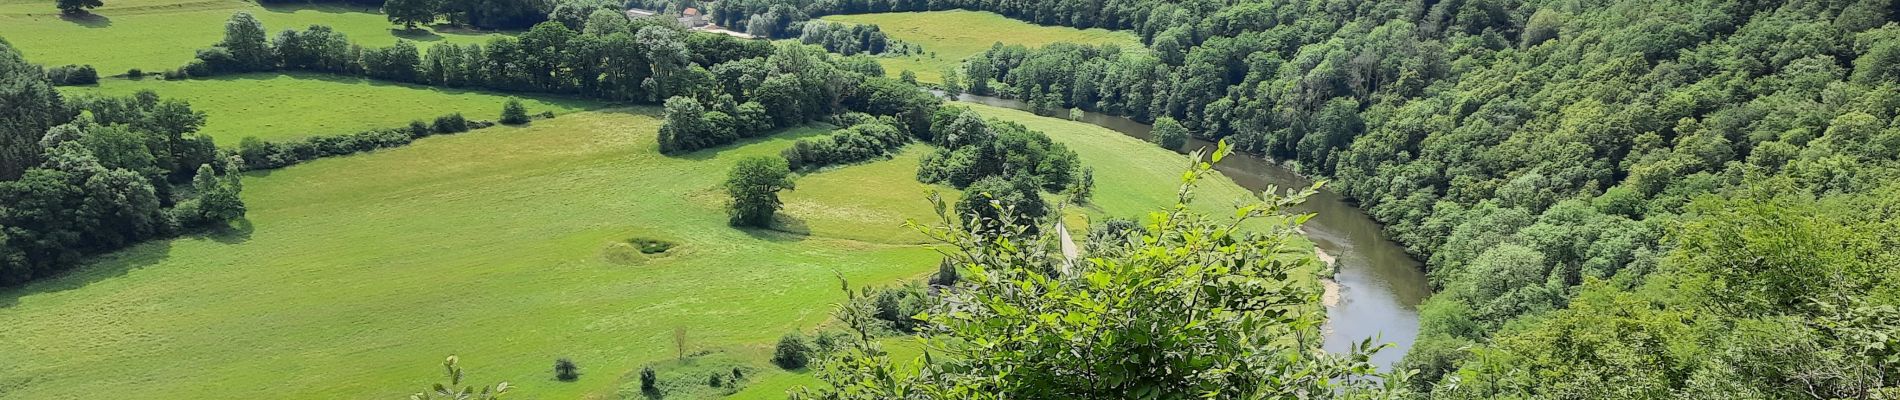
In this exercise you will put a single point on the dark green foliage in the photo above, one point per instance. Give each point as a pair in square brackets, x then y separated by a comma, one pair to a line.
[753, 186]
[1168, 134]
[973, 149]
[452, 123]
[857, 143]
[101, 183]
[566, 371]
[243, 49]
[409, 13]
[848, 39]
[397, 63]
[649, 380]
[1084, 188]
[898, 306]
[258, 154]
[792, 351]
[946, 274]
[513, 113]
[993, 203]
[716, 379]
[69, 75]
[77, 7]
[33, 106]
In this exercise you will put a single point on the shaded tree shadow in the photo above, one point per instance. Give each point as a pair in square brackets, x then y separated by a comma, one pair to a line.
[785, 229]
[233, 233]
[327, 8]
[94, 269]
[418, 34]
[89, 20]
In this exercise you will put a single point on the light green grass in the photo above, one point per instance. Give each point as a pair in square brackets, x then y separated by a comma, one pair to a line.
[357, 274]
[159, 35]
[354, 276]
[949, 37]
[289, 106]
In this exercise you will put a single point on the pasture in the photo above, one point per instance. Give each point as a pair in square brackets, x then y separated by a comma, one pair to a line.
[159, 35]
[353, 276]
[279, 106]
[949, 37]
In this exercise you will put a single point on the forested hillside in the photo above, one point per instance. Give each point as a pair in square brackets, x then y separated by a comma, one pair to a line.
[1615, 198]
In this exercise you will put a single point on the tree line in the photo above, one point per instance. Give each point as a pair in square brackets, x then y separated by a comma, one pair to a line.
[90, 175]
[1557, 165]
[610, 58]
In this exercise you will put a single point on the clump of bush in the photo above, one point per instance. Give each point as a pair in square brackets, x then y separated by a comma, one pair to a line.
[649, 380]
[135, 73]
[566, 371]
[513, 113]
[792, 351]
[259, 154]
[68, 75]
[860, 142]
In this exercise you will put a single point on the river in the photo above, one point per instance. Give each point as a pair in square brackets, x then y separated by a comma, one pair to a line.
[1379, 284]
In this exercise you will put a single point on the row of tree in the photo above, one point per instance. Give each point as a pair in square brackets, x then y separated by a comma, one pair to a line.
[257, 154]
[865, 138]
[850, 39]
[93, 175]
[1546, 158]
[794, 85]
[612, 58]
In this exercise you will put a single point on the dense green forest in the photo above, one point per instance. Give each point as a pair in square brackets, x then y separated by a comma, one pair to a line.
[1615, 198]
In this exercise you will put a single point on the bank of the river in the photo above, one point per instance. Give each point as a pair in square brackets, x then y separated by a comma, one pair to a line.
[1376, 287]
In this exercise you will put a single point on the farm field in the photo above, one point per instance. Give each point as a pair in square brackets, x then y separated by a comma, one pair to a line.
[357, 274]
[948, 37]
[159, 35]
[278, 106]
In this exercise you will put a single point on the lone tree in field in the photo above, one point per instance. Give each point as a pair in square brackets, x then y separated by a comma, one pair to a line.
[77, 7]
[410, 12]
[754, 185]
[1168, 133]
[513, 113]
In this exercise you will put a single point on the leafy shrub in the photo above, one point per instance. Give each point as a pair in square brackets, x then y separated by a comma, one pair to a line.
[566, 371]
[67, 75]
[649, 381]
[792, 351]
[513, 113]
[258, 154]
[135, 73]
[452, 123]
[860, 142]
[715, 379]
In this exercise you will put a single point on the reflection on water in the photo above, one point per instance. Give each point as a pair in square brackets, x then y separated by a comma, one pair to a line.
[1380, 285]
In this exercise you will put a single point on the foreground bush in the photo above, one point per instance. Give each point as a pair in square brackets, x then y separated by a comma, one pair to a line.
[1028, 322]
[792, 351]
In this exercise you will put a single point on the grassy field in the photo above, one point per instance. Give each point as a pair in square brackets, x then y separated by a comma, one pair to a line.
[157, 35]
[287, 106]
[948, 37]
[353, 276]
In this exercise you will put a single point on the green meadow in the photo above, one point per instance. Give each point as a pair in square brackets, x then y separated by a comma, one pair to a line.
[353, 276]
[278, 106]
[949, 37]
[159, 35]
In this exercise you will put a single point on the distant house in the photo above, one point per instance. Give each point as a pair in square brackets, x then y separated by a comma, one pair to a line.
[691, 18]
